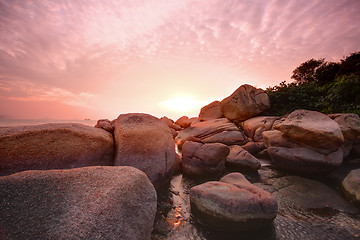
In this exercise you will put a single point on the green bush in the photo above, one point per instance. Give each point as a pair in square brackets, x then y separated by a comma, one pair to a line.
[320, 86]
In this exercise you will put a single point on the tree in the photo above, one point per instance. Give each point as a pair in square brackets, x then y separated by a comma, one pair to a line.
[327, 72]
[351, 64]
[306, 71]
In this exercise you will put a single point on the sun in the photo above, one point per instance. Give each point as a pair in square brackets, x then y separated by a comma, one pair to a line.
[182, 104]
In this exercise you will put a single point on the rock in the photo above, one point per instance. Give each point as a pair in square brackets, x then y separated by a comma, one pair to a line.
[233, 204]
[355, 150]
[298, 196]
[211, 111]
[217, 130]
[275, 138]
[244, 103]
[145, 142]
[170, 123]
[204, 159]
[254, 147]
[227, 138]
[304, 160]
[239, 157]
[106, 125]
[183, 122]
[84, 203]
[350, 127]
[54, 146]
[312, 128]
[351, 186]
[254, 127]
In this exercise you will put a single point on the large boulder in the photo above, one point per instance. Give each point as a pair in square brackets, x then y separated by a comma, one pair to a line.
[211, 111]
[233, 204]
[239, 157]
[244, 103]
[203, 159]
[145, 142]
[351, 186]
[304, 160]
[217, 130]
[54, 146]
[350, 127]
[84, 203]
[312, 128]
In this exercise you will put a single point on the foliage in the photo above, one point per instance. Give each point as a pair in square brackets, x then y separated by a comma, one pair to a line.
[322, 86]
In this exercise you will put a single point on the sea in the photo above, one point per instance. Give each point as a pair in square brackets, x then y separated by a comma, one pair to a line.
[27, 122]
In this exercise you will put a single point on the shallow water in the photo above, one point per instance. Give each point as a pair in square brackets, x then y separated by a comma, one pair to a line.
[175, 221]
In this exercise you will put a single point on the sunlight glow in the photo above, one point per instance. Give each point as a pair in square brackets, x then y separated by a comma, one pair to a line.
[182, 104]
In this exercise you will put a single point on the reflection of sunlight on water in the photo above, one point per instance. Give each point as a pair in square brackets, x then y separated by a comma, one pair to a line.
[179, 214]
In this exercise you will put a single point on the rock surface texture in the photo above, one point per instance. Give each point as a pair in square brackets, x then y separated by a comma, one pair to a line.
[54, 146]
[105, 124]
[244, 103]
[239, 157]
[351, 186]
[84, 203]
[145, 142]
[203, 159]
[312, 128]
[233, 204]
[217, 130]
[211, 111]
[254, 127]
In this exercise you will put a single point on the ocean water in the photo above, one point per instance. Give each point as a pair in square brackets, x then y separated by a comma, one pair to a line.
[26, 122]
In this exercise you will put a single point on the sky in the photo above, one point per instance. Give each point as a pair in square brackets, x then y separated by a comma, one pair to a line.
[76, 59]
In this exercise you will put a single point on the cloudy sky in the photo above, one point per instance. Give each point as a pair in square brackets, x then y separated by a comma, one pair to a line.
[75, 59]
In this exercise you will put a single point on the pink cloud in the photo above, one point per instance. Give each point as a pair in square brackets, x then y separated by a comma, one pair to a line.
[142, 52]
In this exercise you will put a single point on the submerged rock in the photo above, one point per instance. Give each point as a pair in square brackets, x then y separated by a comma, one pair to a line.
[145, 142]
[351, 186]
[233, 204]
[84, 203]
[239, 157]
[54, 146]
[200, 159]
[244, 103]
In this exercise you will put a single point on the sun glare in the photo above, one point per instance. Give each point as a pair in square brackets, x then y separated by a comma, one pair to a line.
[181, 104]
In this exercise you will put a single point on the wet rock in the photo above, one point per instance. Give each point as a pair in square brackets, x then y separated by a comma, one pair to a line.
[254, 147]
[204, 159]
[244, 103]
[84, 203]
[254, 127]
[213, 130]
[240, 158]
[304, 160]
[145, 142]
[105, 124]
[351, 186]
[233, 204]
[183, 122]
[312, 128]
[298, 195]
[210, 111]
[54, 146]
